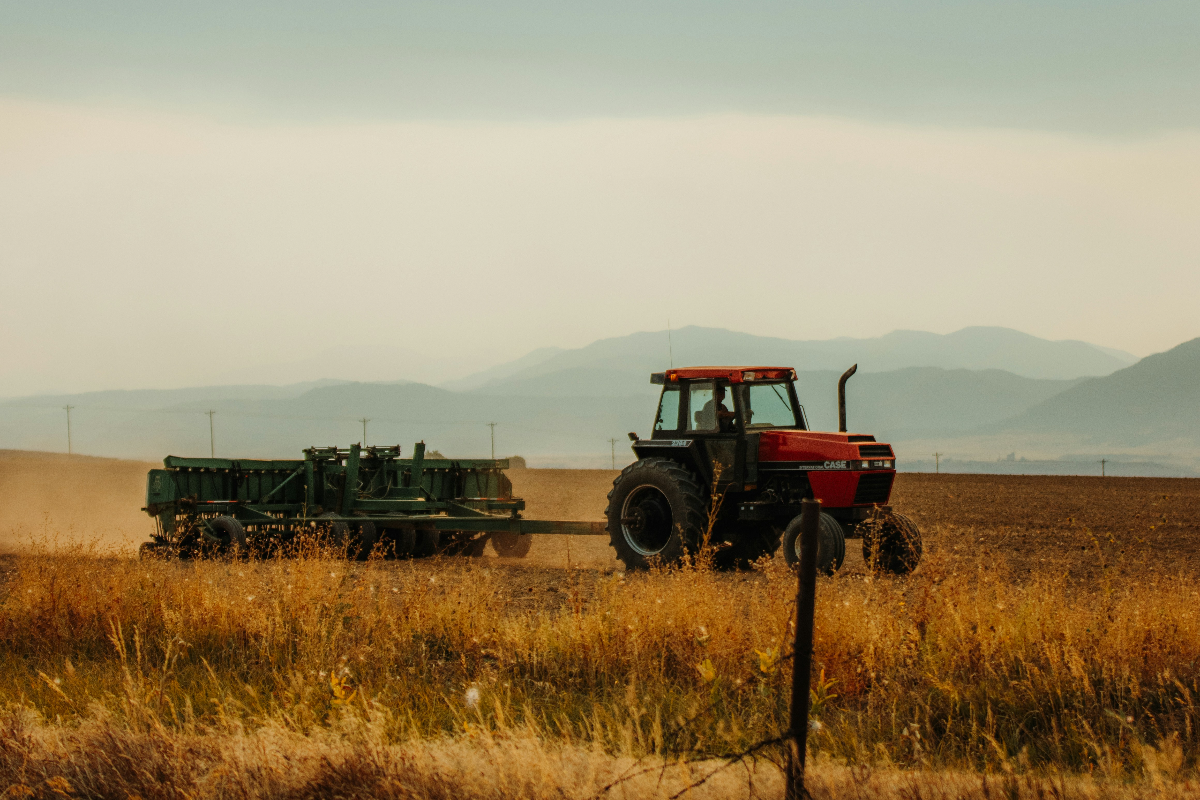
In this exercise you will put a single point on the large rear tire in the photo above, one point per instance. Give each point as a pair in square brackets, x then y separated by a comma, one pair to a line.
[831, 544]
[891, 544]
[655, 513]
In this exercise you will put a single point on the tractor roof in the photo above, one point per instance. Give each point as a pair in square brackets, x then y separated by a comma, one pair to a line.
[731, 374]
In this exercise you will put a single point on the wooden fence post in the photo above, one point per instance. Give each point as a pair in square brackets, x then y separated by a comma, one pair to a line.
[806, 592]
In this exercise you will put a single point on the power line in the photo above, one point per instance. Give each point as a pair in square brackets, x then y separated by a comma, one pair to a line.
[1103, 461]
[937, 463]
[364, 421]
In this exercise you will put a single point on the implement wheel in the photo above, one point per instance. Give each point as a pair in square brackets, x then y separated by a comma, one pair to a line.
[337, 530]
[362, 540]
[427, 543]
[891, 544]
[512, 545]
[831, 544]
[229, 533]
[155, 551]
[655, 513]
[401, 542]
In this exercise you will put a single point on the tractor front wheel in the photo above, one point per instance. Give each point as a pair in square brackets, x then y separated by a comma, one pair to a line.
[831, 544]
[655, 513]
[741, 543]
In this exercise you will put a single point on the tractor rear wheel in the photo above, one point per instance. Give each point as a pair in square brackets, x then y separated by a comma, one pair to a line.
[655, 512]
[891, 544]
[511, 545]
[831, 544]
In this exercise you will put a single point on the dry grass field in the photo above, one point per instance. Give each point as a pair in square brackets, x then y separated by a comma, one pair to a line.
[1049, 645]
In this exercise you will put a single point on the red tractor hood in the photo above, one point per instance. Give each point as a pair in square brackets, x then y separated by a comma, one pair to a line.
[812, 446]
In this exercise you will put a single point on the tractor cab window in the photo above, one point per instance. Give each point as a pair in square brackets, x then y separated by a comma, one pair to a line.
[709, 407]
[767, 405]
[668, 409]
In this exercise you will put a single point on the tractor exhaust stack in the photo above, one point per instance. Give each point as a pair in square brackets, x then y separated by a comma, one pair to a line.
[842, 397]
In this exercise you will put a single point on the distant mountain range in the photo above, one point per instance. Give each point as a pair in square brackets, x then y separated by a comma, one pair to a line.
[1155, 400]
[562, 407]
[619, 365]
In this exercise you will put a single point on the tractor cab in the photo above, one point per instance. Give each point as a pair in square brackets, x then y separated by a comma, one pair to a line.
[714, 400]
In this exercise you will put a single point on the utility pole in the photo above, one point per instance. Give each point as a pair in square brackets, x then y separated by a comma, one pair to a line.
[613, 442]
[364, 421]
[937, 463]
[670, 344]
[492, 425]
[212, 437]
[68, 410]
[1103, 461]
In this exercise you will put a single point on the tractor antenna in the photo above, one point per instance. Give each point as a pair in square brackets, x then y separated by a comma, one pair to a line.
[670, 344]
[492, 425]
[613, 442]
[364, 421]
[212, 437]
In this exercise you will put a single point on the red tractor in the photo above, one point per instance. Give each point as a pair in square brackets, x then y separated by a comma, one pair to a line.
[728, 464]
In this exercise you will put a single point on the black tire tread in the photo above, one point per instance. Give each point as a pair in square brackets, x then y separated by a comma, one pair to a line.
[831, 550]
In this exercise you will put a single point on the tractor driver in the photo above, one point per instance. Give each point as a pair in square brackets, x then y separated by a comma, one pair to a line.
[715, 414]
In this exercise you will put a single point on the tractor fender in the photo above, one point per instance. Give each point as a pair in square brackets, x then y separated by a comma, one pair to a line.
[688, 452]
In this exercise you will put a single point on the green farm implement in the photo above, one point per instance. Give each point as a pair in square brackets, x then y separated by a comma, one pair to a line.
[365, 499]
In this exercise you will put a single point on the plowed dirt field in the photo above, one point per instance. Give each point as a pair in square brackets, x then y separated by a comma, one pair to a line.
[1079, 528]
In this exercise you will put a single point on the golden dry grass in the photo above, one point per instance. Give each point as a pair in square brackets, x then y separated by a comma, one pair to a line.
[949, 670]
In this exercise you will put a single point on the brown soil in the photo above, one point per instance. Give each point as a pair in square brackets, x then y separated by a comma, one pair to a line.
[1080, 528]
[1075, 526]
[51, 497]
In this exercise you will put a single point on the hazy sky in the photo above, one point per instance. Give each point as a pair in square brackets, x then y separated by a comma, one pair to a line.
[201, 192]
